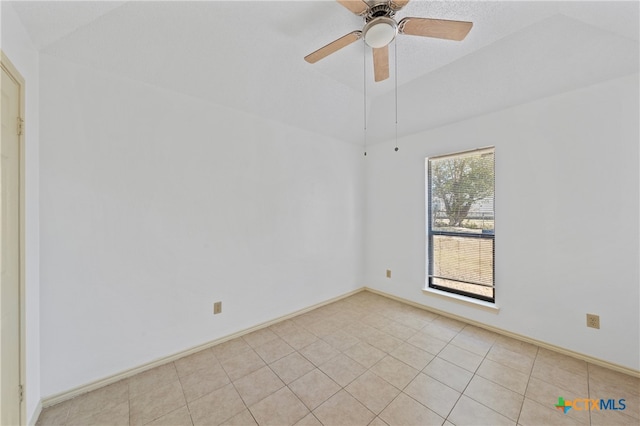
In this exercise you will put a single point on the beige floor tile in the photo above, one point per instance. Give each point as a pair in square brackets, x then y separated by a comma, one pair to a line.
[55, 415]
[323, 328]
[449, 323]
[514, 381]
[298, 339]
[365, 354]
[156, 403]
[450, 374]
[504, 376]
[307, 319]
[547, 394]
[479, 333]
[244, 418]
[433, 394]
[199, 361]
[359, 329]
[343, 409]
[565, 379]
[375, 321]
[242, 364]
[405, 411]
[472, 413]
[383, 341]
[606, 390]
[378, 422]
[517, 346]
[472, 343]
[394, 371]
[284, 327]
[411, 355]
[279, 409]
[314, 388]
[113, 416]
[216, 407]
[257, 385]
[230, 348]
[351, 307]
[341, 340]
[259, 337]
[331, 310]
[424, 314]
[400, 331]
[415, 319]
[427, 342]
[151, 379]
[372, 391]
[394, 312]
[496, 397]
[203, 382]
[393, 309]
[610, 417]
[439, 332]
[179, 417]
[461, 357]
[534, 414]
[99, 400]
[573, 365]
[421, 313]
[292, 367]
[342, 369]
[309, 420]
[351, 316]
[612, 379]
[319, 352]
[511, 359]
[274, 350]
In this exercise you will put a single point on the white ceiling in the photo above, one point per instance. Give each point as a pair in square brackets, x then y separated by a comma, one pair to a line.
[248, 55]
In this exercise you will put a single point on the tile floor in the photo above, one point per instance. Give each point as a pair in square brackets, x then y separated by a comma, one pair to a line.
[364, 360]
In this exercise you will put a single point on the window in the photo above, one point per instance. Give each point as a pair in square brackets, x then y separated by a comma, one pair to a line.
[460, 223]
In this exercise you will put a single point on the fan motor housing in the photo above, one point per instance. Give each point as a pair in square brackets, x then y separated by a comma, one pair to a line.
[378, 11]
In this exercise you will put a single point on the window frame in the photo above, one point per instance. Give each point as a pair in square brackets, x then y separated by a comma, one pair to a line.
[431, 233]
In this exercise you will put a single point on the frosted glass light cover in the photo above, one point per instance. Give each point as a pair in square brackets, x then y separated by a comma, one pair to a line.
[380, 34]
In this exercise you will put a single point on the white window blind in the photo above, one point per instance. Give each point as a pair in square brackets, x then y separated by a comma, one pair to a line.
[461, 223]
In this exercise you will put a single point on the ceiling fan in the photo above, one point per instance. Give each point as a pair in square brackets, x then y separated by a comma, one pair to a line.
[381, 28]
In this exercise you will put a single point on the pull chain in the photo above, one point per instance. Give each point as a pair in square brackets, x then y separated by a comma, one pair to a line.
[364, 67]
[395, 57]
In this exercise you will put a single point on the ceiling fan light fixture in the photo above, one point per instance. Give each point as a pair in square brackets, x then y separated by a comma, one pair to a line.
[379, 32]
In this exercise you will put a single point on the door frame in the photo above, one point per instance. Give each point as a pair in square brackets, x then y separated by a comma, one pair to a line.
[8, 66]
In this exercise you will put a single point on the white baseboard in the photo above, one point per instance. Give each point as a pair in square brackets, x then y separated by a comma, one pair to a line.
[564, 351]
[82, 389]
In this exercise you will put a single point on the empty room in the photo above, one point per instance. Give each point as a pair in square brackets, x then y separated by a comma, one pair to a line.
[320, 213]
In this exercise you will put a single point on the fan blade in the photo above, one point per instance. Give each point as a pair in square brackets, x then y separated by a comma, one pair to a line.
[359, 7]
[436, 28]
[381, 63]
[332, 47]
[398, 4]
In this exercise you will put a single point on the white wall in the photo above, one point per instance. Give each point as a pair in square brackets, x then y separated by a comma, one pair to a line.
[17, 45]
[567, 195]
[155, 205]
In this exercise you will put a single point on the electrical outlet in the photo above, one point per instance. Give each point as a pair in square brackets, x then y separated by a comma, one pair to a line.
[593, 321]
[217, 308]
[388, 273]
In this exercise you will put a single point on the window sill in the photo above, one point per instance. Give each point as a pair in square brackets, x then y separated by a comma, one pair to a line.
[491, 307]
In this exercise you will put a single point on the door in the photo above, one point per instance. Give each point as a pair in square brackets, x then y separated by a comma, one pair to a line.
[10, 202]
